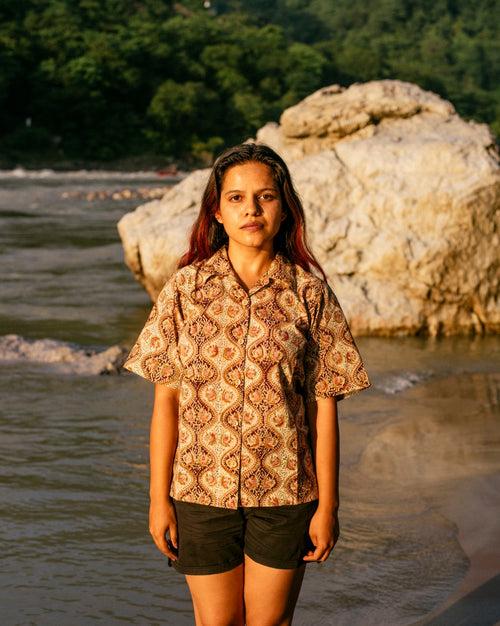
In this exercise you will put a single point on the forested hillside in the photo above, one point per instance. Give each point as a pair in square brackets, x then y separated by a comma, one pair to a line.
[100, 80]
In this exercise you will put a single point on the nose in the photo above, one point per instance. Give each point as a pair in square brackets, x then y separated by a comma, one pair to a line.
[252, 205]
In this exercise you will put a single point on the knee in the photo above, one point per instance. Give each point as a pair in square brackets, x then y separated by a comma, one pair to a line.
[268, 619]
[221, 620]
[219, 615]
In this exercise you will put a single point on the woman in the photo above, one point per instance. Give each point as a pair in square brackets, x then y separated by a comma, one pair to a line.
[249, 352]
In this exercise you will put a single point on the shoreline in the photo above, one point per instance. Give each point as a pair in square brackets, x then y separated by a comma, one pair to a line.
[475, 509]
[93, 174]
[126, 164]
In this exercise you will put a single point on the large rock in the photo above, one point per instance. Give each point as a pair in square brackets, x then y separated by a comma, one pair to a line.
[401, 198]
[156, 234]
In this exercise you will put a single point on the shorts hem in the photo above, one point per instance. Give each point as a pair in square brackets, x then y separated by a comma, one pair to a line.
[273, 563]
[206, 569]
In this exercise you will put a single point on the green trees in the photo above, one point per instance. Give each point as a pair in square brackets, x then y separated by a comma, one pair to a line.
[451, 47]
[103, 79]
[177, 113]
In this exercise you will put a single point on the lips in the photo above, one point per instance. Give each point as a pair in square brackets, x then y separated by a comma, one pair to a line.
[252, 226]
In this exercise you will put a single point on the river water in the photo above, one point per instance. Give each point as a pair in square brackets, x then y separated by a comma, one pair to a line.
[73, 446]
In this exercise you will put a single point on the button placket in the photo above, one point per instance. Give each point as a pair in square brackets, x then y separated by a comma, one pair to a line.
[247, 302]
[248, 299]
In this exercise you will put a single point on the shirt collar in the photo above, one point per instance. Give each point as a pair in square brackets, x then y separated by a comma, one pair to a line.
[280, 271]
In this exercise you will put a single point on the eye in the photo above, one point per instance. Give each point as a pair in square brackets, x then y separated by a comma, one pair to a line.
[236, 197]
[268, 196]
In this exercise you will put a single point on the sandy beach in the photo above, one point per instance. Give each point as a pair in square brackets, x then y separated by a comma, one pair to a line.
[475, 509]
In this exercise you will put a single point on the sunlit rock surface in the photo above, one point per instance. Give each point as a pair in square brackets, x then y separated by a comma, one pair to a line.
[401, 198]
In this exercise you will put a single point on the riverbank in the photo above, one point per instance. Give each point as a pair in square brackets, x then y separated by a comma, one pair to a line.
[22, 173]
[153, 163]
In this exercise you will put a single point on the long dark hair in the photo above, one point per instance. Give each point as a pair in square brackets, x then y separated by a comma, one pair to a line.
[207, 234]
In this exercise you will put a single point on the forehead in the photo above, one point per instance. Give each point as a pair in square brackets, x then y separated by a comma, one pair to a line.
[253, 172]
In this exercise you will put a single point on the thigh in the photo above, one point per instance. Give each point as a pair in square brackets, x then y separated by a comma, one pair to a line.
[210, 539]
[218, 598]
[210, 555]
[270, 594]
[278, 536]
[276, 539]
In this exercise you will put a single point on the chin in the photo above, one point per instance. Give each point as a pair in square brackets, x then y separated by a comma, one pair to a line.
[252, 239]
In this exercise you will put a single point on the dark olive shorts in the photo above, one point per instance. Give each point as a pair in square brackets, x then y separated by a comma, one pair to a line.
[213, 539]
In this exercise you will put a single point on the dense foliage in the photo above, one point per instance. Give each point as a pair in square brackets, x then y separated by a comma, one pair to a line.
[102, 79]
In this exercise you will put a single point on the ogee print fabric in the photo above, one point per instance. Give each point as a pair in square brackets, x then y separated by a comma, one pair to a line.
[245, 362]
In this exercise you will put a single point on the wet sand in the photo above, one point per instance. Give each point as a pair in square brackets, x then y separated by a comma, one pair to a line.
[420, 494]
[474, 506]
[449, 450]
[475, 509]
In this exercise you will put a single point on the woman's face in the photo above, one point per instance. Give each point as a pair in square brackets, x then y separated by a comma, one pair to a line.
[249, 194]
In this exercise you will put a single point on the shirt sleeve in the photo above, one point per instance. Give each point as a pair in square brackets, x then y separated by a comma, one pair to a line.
[155, 354]
[332, 363]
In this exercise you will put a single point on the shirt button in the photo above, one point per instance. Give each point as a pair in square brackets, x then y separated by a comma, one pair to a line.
[238, 294]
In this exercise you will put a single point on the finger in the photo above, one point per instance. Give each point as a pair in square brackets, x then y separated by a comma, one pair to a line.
[324, 553]
[310, 552]
[325, 556]
[318, 552]
[162, 545]
[173, 535]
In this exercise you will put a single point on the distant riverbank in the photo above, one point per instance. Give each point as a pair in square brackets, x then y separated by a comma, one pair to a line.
[152, 163]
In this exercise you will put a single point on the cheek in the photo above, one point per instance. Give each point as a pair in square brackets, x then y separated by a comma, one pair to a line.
[229, 216]
[277, 217]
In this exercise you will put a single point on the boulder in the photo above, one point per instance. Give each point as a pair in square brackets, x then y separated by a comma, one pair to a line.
[401, 198]
[155, 235]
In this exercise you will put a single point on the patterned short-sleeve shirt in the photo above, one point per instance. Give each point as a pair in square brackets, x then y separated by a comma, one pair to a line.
[245, 363]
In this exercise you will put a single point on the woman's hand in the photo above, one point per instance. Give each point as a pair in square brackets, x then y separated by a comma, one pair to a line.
[162, 518]
[324, 532]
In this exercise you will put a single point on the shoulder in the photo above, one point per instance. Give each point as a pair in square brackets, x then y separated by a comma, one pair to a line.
[316, 296]
[176, 283]
[185, 274]
[182, 279]
[187, 283]
[312, 288]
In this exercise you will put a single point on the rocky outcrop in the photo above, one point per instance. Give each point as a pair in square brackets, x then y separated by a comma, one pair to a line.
[401, 198]
[156, 234]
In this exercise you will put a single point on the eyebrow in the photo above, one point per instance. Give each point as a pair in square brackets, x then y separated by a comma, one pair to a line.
[258, 190]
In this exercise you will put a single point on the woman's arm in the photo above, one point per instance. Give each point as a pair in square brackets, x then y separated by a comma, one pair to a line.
[325, 441]
[162, 445]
